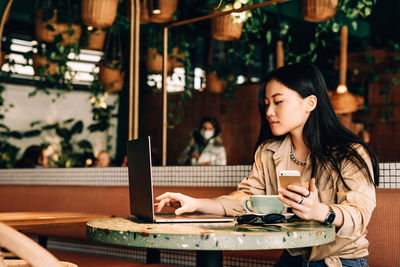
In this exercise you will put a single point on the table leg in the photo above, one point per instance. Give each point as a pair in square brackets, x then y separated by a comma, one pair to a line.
[152, 255]
[209, 258]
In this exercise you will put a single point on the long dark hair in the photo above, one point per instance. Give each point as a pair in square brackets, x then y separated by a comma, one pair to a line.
[31, 157]
[329, 141]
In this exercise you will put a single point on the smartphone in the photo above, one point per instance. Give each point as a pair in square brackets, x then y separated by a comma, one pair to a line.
[290, 177]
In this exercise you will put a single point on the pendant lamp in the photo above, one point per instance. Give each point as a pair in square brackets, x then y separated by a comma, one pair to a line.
[342, 100]
[279, 54]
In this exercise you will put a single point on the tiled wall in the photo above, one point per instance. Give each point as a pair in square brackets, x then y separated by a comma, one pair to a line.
[162, 176]
[389, 175]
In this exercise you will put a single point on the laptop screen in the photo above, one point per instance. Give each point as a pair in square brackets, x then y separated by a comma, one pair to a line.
[140, 182]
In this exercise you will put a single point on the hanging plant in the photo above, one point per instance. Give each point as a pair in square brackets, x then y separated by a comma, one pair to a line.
[58, 18]
[177, 50]
[94, 39]
[229, 27]
[102, 109]
[111, 74]
[318, 10]
[214, 84]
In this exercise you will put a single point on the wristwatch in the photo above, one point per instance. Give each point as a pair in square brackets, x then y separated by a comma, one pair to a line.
[330, 217]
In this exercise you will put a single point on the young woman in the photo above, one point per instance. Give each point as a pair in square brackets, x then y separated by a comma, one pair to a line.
[205, 145]
[300, 131]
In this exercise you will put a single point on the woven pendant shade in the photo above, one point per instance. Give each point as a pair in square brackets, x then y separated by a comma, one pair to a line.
[99, 13]
[214, 84]
[342, 100]
[167, 8]
[318, 10]
[279, 54]
[344, 103]
[96, 39]
[223, 28]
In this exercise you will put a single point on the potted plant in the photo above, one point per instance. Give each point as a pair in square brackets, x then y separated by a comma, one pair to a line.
[221, 78]
[93, 38]
[49, 22]
[229, 27]
[155, 49]
[318, 10]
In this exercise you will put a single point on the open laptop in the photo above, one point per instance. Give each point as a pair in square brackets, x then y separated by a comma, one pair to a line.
[141, 188]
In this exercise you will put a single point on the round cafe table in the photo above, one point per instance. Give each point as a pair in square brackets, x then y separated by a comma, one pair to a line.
[209, 239]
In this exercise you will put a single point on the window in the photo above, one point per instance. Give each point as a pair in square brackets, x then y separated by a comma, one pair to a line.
[85, 64]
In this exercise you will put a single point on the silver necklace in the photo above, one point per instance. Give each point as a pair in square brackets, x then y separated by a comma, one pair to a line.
[293, 157]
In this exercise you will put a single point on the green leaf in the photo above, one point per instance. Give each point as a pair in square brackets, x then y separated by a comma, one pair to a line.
[68, 121]
[268, 37]
[32, 133]
[50, 126]
[15, 134]
[84, 144]
[189, 93]
[77, 128]
[50, 27]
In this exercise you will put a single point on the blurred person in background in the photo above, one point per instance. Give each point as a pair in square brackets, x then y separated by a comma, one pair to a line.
[103, 159]
[205, 146]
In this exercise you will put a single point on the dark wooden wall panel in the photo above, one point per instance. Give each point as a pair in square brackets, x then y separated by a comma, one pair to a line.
[238, 117]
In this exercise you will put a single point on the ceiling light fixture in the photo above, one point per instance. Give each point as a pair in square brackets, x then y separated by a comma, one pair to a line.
[156, 7]
[342, 100]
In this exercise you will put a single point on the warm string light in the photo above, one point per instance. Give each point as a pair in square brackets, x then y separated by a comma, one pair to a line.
[239, 17]
[341, 89]
[342, 100]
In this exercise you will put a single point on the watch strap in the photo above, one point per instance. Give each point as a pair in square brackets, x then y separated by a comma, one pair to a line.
[330, 217]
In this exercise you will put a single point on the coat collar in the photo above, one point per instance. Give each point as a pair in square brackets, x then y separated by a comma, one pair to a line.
[280, 148]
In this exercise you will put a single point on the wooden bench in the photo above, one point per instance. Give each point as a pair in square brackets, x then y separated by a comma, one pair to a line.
[384, 228]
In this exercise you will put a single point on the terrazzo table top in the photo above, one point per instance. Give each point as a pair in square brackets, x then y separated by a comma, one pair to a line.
[209, 236]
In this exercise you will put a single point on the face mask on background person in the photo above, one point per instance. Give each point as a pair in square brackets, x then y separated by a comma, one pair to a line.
[207, 134]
